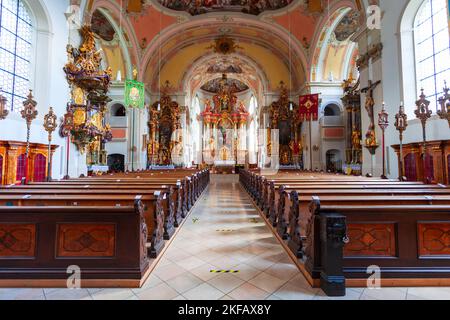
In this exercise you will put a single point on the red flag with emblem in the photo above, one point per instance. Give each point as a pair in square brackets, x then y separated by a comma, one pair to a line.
[309, 107]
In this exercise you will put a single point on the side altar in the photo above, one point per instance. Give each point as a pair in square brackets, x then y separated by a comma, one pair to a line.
[225, 129]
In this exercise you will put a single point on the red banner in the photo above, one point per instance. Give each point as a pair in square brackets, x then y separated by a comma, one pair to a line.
[309, 107]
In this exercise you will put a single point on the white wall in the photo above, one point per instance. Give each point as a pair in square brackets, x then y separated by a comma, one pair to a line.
[49, 85]
[397, 85]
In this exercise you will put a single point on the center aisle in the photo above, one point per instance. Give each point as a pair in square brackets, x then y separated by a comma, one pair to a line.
[225, 232]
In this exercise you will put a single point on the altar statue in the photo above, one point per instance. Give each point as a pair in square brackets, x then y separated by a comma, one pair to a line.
[356, 141]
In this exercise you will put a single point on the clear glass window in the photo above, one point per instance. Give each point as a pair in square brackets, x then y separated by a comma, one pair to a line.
[16, 33]
[432, 49]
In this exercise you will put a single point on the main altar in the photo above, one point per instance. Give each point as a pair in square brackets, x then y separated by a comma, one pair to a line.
[225, 129]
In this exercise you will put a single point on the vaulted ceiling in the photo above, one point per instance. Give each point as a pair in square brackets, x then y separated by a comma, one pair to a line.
[277, 40]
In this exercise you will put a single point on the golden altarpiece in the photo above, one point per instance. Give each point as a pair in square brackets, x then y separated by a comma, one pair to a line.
[352, 104]
[224, 128]
[166, 139]
[284, 117]
[84, 122]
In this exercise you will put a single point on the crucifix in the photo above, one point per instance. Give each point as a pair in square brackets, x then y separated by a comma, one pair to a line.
[371, 140]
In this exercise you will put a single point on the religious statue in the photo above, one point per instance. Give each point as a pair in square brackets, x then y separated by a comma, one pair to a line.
[356, 140]
[370, 102]
[285, 157]
[370, 139]
[208, 107]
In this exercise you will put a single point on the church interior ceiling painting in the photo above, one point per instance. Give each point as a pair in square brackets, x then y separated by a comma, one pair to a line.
[254, 7]
[213, 86]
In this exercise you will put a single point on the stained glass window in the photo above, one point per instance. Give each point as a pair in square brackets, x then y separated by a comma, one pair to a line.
[16, 33]
[432, 45]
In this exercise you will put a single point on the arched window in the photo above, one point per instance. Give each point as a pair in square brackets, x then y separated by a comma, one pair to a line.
[432, 48]
[253, 131]
[118, 110]
[332, 110]
[196, 131]
[16, 34]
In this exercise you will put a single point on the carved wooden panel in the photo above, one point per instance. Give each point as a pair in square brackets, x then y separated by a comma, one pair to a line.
[17, 240]
[434, 239]
[371, 239]
[86, 240]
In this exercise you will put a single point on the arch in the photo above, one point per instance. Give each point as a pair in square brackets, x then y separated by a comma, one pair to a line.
[21, 169]
[322, 39]
[118, 110]
[40, 168]
[114, 13]
[332, 110]
[274, 32]
[19, 53]
[408, 84]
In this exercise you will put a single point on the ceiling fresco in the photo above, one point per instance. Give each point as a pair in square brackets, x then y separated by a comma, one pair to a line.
[102, 27]
[348, 26]
[214, 86]
[197, 7]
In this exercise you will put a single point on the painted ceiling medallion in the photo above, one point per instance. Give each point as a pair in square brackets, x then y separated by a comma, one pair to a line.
[215, 85]
[224, 67]
[196, 7]
[224, 45]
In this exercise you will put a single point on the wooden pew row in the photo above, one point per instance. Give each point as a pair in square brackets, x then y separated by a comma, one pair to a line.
[171, 204]
[179, 192]
[40, 244]
[295, 224]
[407, 243]
[257, 185]
[157, 222]
[295, 215]
[194, 184]
[273, 197]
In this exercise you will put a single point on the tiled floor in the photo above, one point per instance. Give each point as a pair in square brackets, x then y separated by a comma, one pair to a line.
[224, 232]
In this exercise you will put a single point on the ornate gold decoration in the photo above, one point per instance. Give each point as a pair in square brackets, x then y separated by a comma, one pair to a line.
[284, 112]
[224, 45]
[29, 113]
[90, 85]
[165, 119]
[50, 126]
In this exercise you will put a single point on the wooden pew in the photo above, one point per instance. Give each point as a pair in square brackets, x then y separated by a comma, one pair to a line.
[293, 221]
[176, 196]
[39, 244]
[408, 243]
[278, 198]
[153, 209]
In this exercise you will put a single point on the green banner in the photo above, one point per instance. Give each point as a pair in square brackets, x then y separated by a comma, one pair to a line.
[134, 94]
